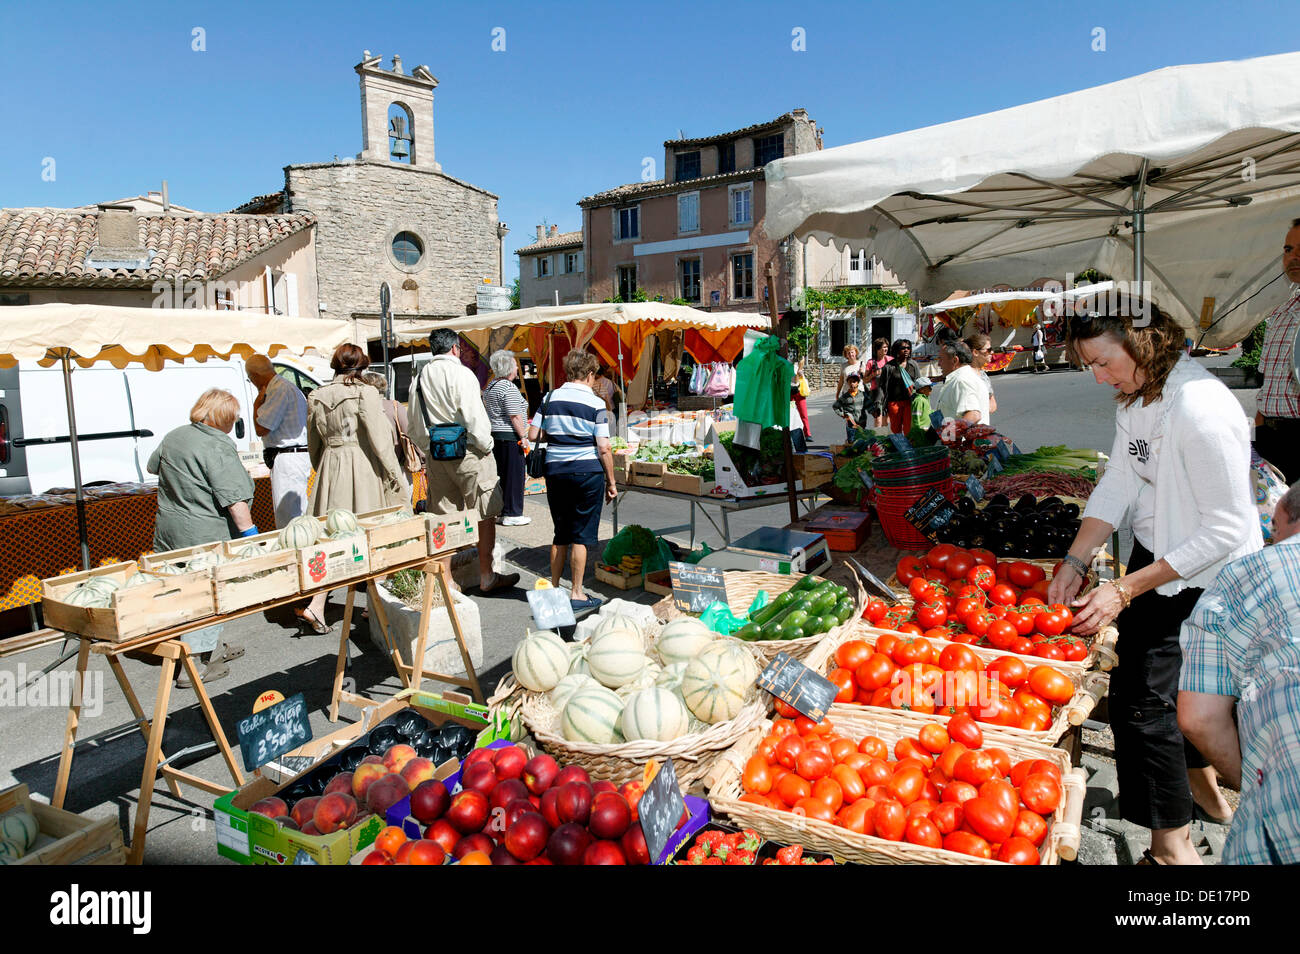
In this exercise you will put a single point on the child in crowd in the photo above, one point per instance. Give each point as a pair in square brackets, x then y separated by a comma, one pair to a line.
[849, 405]
[921, 402]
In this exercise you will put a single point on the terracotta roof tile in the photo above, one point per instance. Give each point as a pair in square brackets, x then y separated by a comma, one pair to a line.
[782, 120]
[50, 246]
[563, 240]
[634, 190]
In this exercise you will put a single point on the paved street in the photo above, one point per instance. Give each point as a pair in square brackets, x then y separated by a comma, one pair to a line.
[1059, 407]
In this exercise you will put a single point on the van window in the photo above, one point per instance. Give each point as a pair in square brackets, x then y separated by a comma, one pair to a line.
[303, 383]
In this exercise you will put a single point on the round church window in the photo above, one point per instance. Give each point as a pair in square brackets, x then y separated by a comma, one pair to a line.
[407, 248]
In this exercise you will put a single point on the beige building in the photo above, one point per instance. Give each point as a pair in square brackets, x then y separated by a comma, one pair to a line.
[552, 270]
[391, 214]
[696, 235]
[112, 254]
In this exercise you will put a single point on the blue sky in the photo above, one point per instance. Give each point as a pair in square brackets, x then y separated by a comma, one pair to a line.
[116, 95]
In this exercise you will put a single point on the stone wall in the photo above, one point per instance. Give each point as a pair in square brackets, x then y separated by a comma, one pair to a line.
[361, 206]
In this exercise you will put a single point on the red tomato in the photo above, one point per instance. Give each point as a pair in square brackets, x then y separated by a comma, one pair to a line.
[974, 767]
[828, 790]
[1010, 671]
[978, 623]
[1041, 793]
[1022, 621]
[959, 792]
[906, 785]
[853, 653]
[938, 557]
[947, 760]
[854, 815]
[933, 738]
[813, 765]
[1002, 793]
[1001, 761]
[1001, 634]
[886, 643]
[922, 589]
[1024, 575]
[890, 820]
[922, 831]
[757, 776]
[806, 726]
[850, 783]
[1055, 687]
[875, 611]
[905, 749]
[784, 709]
[875, 772]
[982, 576]
[959, 565]
[962, 728]
[788, 750]
[843, 679]
[984, 558]
[958, 657]
[874, 747]
[814, 808]
[988, 819]
[964, 843]
[877, 671]
[1047, 650]
[791, 789]
[1018, 851]
[1003, 595]
[1076, 650]
[909, 651]
[908, 569]
[1031, 826]
[946, 817]
[1050, 623]
[931, 614]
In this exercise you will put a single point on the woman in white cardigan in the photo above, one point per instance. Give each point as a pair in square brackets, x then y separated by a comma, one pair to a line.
[1179, 476]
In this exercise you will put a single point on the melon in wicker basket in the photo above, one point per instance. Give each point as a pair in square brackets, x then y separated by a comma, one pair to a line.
[779, 824]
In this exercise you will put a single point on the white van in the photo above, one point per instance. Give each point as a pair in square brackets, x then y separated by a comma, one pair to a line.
[112, 405]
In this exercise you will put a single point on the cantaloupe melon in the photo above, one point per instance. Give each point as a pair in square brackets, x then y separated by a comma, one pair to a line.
[202, 561]
[83, 595]
[301, 532]
[644, 681]
[137, 579]
[654, 714]
[682, 639]
[540, 661]
[19, 826]
[670, 677]
[341, 523]
[567, 686]
[610, 621]
[717, 681]
[616, 657]
[10, 852]
[592, 715]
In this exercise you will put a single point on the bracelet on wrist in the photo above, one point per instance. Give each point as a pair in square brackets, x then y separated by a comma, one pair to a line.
[1074, 563]
[1125, 596]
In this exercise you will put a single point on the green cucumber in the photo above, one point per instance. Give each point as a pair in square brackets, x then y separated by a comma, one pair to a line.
[797, 633]
[823, 624]
[843, 610]
[748, 632]
[772, 608]
[807, 583]
[822, 604]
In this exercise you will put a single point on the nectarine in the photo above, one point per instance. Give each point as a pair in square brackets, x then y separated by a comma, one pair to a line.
[304, 809]
[366, 774]
[386, 793]
[270, 807]
[397, 756]
[334, 812]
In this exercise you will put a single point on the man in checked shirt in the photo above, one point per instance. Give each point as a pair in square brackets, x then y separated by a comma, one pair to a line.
[1277, 421]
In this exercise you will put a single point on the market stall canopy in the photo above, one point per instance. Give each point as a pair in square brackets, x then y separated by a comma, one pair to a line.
[1204, 158]
[967, 300]
[664, 316]
[150, 336]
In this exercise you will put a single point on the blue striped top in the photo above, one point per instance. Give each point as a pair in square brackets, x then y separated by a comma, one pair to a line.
[575, 417]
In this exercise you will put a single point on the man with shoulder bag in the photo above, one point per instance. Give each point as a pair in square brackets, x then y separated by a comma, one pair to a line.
[448, 423]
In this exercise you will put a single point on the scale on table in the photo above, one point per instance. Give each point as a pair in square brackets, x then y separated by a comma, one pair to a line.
[774, 551]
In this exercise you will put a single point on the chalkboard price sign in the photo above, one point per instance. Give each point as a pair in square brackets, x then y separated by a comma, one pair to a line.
[1001, 449]
[974, 488]
[696, 588]
[551, 608]
[931, 514]
[273, 731]
[660, 809]
[795, 684]
[900, 443]
[936, 420]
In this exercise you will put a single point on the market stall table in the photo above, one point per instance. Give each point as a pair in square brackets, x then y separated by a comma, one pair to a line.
[168, 647]
[724, 505]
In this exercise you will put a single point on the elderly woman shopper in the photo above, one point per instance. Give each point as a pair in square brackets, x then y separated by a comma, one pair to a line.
[507, 412]
[851, 366]
[981, 349]
[579, 468]
[896, 382]
[1179, 476]
[203, 496]
[350, 441]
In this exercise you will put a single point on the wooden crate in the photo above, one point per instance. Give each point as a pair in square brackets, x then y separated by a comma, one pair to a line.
[395, 541]
[647, 473]
[65, 838]
[618, 577]
[327, 563]
[272, 575]
[659, 582]
[147, 608]
[688, 484]
[450, 531]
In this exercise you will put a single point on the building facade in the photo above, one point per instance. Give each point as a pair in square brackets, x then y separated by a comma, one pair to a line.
[696, 235]
[552, 270]
[392, 215]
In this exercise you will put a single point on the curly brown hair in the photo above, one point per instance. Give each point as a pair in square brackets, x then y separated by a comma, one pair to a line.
[1151, 338]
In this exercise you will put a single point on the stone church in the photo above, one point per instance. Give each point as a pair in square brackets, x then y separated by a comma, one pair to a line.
[391, 214]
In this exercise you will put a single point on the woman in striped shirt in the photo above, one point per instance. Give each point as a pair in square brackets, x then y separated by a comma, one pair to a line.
[508, 414]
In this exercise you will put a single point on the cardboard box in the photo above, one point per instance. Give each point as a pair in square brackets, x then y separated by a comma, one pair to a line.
[730, 481]
[451, 531]
[250, 838]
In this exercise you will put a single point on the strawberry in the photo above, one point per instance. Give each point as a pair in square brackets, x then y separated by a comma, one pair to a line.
[750, 839]
[789, 855]
[714, 861]
[739, 856]
[697, 855]
[710, 840]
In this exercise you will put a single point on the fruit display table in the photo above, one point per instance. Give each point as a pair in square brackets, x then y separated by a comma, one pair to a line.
[168, 648]
[39, 544]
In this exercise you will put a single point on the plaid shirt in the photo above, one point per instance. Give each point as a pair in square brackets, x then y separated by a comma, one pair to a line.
[1279, 397]
[1243, 640]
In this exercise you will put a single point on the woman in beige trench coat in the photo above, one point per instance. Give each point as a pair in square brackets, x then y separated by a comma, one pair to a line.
[350, 442]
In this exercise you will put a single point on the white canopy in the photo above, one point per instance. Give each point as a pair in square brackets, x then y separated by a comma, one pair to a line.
[150, 336]
[671, 316]
[1028, 294]
[1206, 158]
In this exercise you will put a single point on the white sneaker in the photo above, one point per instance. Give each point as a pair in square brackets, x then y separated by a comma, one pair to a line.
[516, 521]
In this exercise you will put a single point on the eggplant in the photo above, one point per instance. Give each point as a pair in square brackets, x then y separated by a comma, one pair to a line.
[965, 506]
[1004, 549]
[977, 539]
[1000, 500]
[1050, 502]
[1026, 503]
[1070, 511]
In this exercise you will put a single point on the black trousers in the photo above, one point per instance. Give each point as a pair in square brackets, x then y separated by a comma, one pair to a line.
[1278, 441]
[1151, 755]
[510, 468]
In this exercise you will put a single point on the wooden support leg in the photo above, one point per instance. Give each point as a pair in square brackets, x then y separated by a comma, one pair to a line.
[341, 664]
[435, 569]
[70, 734]
[205, 703]
[381, 617]
[444, 582]
[152, 754]
[116, 665]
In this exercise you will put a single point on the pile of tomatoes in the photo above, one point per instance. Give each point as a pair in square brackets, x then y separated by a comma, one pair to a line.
[967, 596]
[941, 789]
[911, 673]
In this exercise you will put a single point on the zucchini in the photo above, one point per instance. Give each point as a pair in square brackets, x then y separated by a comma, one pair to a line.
[823, 624]
[748, 632]
[807, 583]
[772, 608]
[843, 610]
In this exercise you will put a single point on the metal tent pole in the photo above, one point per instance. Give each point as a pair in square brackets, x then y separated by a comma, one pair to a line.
[1140, 226]
[76, 462]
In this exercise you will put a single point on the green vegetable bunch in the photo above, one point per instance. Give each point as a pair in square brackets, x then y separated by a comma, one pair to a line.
[1059, 458]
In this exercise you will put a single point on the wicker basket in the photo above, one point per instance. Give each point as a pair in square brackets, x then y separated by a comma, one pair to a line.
[725, 790]
[743, 586]
[693, 754]
[1089, 688]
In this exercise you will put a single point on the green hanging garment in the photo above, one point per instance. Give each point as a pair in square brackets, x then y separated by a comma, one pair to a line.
[763, 385]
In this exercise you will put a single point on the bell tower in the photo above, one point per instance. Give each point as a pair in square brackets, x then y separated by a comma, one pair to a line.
[396, 113]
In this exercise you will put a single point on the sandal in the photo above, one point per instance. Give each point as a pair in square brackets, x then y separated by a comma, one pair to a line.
[585, 604]
[225, 653]
[212, 672]
[307, 618]
[1148, 858]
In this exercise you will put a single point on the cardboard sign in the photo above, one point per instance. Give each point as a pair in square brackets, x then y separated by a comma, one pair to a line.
[931, 514]
[936, 420]
[551, 608]
[974, 488]
[795, 684]
[660, 809]
[273, 731]
[900, 443]
[695, 588]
